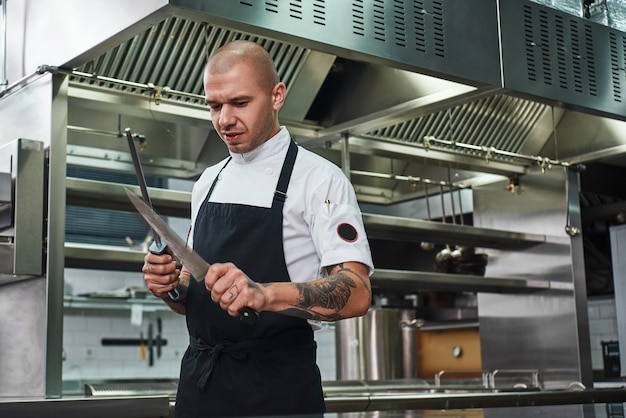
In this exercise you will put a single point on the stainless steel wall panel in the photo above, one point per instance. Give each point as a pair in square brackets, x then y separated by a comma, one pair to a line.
[544, 330]
[24, 159]
[428, 36]
[563, 59]
[57, 165]
[6, 201]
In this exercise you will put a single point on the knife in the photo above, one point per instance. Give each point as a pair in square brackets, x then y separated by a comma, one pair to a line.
[190, 259]
[150, 346]
[156, 247]
[142, 347]
[159, 341]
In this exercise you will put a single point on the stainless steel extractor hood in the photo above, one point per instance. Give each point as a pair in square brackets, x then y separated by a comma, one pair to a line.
[390, 75]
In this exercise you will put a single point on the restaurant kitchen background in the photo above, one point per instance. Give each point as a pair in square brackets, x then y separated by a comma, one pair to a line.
[487, 176]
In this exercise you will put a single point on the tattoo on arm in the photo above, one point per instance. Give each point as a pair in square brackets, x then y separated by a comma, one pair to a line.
[329, 270]
[332, 294]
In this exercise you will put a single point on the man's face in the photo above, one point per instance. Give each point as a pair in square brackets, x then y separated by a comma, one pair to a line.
[243, 111]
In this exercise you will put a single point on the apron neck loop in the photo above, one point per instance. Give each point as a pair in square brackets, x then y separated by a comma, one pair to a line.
[280, 195]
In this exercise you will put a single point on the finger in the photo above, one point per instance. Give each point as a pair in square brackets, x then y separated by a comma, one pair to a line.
[219, 278]
[159, 285]
[159, 268]
[227, 297]
[232, 293]
[158, 258]
[215, 273]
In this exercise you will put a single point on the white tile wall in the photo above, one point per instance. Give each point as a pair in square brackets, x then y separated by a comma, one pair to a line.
[83, 329]
[87, 358]
[602, 327]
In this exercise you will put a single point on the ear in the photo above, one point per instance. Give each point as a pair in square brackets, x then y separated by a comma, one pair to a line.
[279, 93]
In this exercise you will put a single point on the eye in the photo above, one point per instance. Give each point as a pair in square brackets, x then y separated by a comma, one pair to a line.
[215, 107]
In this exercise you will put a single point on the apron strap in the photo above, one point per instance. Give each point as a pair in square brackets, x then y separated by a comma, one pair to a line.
[217, 177]
[280, 194]
[285, 175]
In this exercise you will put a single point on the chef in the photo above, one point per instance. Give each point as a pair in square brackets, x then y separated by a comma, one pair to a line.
[284, 235]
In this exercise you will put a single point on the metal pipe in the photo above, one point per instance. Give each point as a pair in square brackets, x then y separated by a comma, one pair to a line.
[405, 178]
[158, 90]
[489, 152]
[94, 131]
[22, 82]
[4, 82]
[452, 205]
[460, 205]
[427, 200]
[443, 204]
[345, 155]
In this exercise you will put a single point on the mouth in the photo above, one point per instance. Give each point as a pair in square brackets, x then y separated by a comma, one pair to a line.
[231, 136]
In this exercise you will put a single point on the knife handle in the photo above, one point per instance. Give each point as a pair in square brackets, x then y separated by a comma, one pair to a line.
[177, 292]
[158, 247]
[161, 248]
[248, 316]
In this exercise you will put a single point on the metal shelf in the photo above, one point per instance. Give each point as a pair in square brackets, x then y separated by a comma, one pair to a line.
[88, 192]
[107, 195]
[410, 281]
[121, 259]
[395, 228]
[167, 202]
[101, 257]
[149, 304]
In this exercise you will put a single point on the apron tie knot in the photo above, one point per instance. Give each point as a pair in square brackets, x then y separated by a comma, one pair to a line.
[213, 352]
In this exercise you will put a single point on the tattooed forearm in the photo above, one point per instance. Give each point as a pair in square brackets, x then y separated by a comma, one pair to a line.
[331, 294]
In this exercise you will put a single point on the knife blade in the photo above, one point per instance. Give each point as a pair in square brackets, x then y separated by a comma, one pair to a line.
[156, 247]
[190, 259]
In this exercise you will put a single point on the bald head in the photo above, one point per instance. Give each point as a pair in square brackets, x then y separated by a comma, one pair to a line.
[246, 53]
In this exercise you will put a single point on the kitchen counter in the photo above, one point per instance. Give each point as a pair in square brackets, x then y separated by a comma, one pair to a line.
[552, 411]
[458, 399]
[360, 403]
[91, 407]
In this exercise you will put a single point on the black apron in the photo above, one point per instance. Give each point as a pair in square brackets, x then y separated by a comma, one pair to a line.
[231, 368]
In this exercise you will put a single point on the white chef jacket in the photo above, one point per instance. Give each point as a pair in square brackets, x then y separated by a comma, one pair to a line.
[320, 207]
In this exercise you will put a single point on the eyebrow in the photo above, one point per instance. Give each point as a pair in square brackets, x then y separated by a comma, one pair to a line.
[242, 98]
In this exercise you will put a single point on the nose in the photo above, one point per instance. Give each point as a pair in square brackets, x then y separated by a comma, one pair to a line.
[227, 115]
